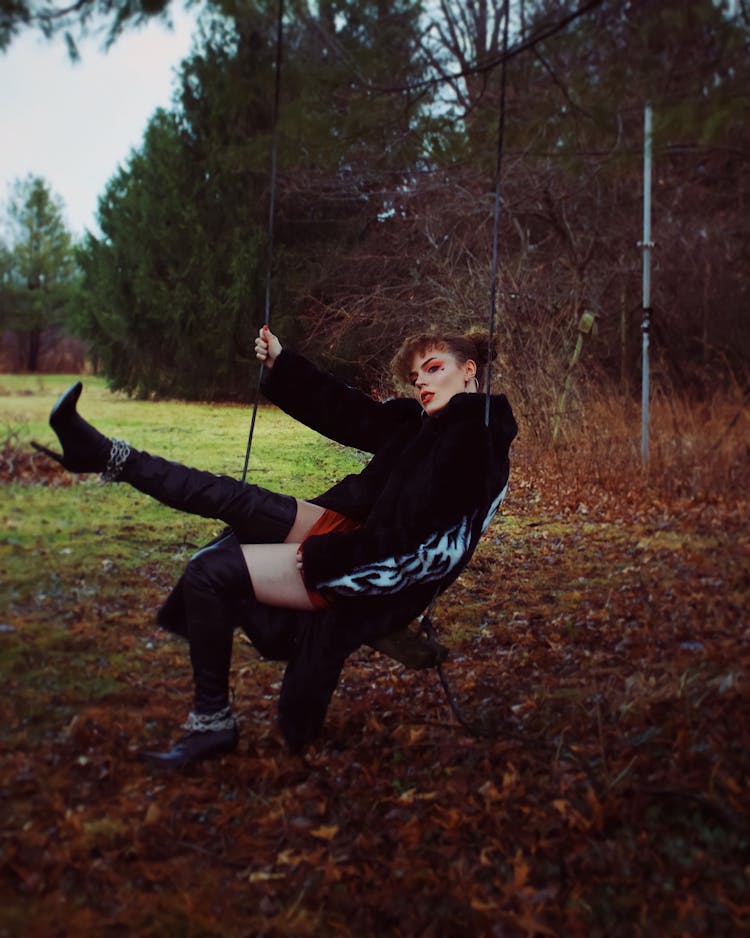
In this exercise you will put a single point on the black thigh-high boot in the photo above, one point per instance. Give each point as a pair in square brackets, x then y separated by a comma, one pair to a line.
[214, 581]
[255, 514]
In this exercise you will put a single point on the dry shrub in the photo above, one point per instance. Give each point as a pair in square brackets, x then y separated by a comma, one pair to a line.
[698, 450]
[22, 464]
[701, 447]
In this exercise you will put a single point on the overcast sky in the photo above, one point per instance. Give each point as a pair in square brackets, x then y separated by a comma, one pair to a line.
[73, 124]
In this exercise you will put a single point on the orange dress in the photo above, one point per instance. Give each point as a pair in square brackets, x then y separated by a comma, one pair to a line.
[328, 523]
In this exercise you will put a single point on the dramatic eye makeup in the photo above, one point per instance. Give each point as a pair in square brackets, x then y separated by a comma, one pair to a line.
[429, 366]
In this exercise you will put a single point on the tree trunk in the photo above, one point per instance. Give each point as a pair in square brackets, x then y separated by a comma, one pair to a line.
[32, 357]
[624, 377]
[706, 306]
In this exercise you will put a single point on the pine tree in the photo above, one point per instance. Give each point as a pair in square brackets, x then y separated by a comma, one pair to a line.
[40, 270]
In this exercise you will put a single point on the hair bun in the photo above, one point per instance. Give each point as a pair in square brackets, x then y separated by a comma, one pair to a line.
[486, 348]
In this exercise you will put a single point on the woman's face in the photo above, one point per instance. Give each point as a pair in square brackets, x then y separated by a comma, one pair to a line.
[436, 376]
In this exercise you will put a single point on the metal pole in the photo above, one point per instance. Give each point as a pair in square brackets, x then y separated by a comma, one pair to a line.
[647, 245]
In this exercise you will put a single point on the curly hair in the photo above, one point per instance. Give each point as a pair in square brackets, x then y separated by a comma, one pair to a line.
[474, 346]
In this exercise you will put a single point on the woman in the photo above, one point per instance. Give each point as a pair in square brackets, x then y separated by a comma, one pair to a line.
[310, 581]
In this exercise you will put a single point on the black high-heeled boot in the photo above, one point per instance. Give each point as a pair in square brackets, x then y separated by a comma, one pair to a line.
[215, 579]
[84, 448]
[256, 515]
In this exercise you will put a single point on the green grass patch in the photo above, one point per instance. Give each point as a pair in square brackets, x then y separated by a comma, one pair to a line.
[81, 558]
[58, 538]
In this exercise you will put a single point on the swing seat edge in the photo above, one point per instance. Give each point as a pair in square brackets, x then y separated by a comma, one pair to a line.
[410, 649]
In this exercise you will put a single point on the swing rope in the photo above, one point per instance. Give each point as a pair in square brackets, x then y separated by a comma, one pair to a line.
[271, 214]
[496, 213]
[426, 628]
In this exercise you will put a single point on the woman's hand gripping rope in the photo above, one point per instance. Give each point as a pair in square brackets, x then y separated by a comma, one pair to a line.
[267, 347]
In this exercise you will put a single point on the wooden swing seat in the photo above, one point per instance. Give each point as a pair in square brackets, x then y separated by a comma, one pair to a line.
[412, 650]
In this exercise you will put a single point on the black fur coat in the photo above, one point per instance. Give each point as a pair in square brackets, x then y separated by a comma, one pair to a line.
[424, 500]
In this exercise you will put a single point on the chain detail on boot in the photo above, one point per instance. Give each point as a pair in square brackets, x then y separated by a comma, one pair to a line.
[117, 456]
[210, 722]
[196, 746]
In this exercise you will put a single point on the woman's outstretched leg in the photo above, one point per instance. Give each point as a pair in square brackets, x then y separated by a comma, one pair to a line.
[255, 514]
[213, 582]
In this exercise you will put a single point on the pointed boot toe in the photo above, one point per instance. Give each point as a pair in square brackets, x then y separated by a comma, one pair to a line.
[65, 406]
[195, 747]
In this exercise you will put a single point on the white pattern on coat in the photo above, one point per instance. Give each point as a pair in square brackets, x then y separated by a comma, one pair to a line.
[434, 559]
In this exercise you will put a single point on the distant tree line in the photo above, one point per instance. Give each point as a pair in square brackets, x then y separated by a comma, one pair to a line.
[387, 146]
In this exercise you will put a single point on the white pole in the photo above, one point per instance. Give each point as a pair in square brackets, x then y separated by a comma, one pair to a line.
[647, 245]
